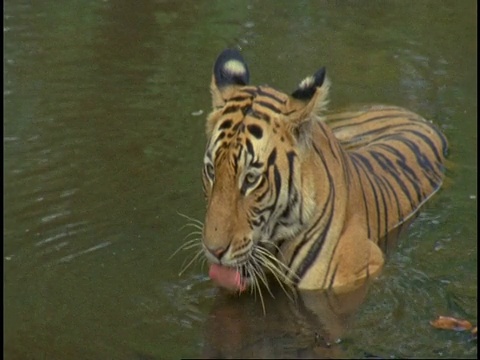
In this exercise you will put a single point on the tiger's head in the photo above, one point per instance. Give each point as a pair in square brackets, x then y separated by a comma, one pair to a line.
[258, 139]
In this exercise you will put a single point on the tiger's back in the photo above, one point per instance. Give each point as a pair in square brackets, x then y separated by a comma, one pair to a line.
[399, 157]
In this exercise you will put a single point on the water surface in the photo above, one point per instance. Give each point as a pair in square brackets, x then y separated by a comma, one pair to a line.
[105, 104]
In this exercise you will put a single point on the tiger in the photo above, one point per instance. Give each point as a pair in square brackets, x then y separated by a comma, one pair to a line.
[303, 196]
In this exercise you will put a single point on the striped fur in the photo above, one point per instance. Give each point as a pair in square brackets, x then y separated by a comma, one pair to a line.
[304, 195]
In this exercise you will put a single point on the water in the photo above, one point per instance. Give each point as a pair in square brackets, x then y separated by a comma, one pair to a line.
[105, 103]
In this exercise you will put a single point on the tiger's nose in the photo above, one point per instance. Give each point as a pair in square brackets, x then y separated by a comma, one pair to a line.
[218, 252]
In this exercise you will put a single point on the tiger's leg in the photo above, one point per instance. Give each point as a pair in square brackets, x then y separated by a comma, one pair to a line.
[356, 257]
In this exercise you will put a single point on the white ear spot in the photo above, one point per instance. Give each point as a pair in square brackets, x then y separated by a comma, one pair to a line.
[234, 67]
[307, 83]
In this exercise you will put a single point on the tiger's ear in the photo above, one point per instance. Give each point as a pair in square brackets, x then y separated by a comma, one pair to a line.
[313, 91]
[229, 71]
[310, 98]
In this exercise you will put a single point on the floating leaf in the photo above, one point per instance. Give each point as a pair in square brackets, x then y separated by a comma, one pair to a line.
[451, 323]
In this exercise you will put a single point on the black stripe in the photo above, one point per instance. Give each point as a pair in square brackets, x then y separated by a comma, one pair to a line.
[346, 169]
[392, 193]
[380, 185]
[355, 165]
[256, 164]
[239, 98]
[236, 126]
[272, 158]
[260, 197]
[364, 122]
[261, 92]
[259, 115]
[277, 183]
[364, 163]
[249, 145]
[306, 237]
[434, 177]
[424, 163]
[330, 143]
[317, 245]
[386, 164]
[429, 142]
[382, 130]
[230, 109]
[422, 160]
[225, 124]
[255, 130]
[332, 119]
[219, 138]
[412, 177]
[332, 278]
[236, 158]
[406, 171]
[290, 157]
[268, 106]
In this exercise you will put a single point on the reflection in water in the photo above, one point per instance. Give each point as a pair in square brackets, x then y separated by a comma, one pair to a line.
[310, 327]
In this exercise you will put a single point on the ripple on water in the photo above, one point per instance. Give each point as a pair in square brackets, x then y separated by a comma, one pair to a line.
[83, 252]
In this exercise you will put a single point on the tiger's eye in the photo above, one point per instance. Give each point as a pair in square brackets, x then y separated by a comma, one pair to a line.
[251, 179]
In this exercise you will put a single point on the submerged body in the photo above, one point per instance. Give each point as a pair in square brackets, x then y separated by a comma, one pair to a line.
[305, 196]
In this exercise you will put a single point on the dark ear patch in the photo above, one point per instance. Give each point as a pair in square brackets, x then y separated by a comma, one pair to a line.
[309, 85]
[230, 69]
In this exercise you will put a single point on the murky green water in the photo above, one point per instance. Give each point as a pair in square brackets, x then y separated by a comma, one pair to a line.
[104, 144]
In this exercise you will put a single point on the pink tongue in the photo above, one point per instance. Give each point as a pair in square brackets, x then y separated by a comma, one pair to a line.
[227, 277]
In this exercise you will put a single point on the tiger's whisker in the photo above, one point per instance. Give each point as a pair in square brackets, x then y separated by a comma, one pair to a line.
[288, 272]
[276, 261]
[190, 218]
[192, 243]
[260, 248]
[196, 226]
[272, 263]
[257, 285]
[194, 258]
[196, 233]
[204, 261]
[286, 286]
[258, 270]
